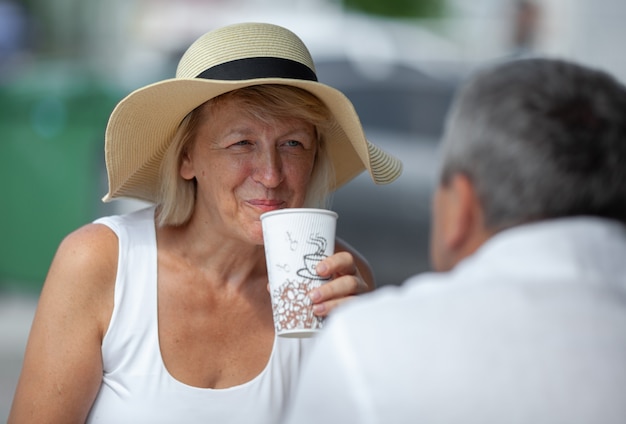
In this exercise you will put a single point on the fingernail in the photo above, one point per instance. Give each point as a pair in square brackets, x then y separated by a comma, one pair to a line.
[319, 309]
[315, 295]
[321, 269]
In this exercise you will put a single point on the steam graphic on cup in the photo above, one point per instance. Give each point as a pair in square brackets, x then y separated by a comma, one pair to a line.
[311, 260]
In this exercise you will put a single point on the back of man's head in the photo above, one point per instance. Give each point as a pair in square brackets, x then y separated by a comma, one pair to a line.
[540, 138]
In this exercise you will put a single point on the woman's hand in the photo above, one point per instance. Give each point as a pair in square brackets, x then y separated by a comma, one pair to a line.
[350, 275]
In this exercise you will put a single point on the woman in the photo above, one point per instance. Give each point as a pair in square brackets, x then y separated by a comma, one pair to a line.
[163, 315]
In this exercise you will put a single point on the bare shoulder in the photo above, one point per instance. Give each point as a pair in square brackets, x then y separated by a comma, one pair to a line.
[92, 242]
[83, 272]
[90, 251]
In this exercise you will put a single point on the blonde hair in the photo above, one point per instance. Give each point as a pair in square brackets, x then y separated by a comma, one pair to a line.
[176, 196]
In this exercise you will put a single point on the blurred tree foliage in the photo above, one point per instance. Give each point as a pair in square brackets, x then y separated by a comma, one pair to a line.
[398, 8]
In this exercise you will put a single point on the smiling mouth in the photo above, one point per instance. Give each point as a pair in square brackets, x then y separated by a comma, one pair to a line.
[267, 205]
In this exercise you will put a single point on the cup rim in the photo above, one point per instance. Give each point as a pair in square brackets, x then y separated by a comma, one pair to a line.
[299, 211]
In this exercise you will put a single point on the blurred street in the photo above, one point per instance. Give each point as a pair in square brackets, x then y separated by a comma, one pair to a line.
[16, 315]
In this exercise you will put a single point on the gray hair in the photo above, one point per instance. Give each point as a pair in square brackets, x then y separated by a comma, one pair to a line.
[540, 138]
[176, 197]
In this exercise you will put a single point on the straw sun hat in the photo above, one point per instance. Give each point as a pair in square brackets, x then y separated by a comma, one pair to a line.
[142, 125]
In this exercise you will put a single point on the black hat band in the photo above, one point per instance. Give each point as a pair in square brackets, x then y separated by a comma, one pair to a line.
[259, 67]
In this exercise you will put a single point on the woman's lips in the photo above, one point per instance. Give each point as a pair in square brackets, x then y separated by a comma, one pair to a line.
[267, 205]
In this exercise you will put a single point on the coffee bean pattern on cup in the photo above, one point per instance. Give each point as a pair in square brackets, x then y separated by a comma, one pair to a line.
[292, 306]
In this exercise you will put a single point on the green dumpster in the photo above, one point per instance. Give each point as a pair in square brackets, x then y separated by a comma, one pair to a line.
[52, 121]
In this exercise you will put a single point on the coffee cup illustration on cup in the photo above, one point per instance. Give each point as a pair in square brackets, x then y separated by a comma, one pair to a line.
[311, 260]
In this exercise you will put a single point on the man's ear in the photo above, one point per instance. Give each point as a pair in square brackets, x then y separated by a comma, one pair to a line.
[458, 226]
[464, 212]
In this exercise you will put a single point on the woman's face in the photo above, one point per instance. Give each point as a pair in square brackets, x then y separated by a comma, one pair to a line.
[245, 167]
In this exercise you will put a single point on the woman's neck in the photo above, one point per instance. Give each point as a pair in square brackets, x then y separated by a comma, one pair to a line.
[224, 261]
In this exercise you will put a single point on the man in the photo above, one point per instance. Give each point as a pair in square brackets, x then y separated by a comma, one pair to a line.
[525, 319]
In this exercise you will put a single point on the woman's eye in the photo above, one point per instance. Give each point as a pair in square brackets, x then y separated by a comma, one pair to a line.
[293, 143]
[242, 143]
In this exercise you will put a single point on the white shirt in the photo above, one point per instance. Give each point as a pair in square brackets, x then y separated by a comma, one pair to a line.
[137, 388]
[531, 329]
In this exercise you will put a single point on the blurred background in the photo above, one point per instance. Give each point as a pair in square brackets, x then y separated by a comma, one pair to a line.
[65, 64]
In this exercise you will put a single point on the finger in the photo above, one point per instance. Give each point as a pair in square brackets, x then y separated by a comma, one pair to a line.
[341, 263]
[335, 289]
[332, 294]
[323, 309]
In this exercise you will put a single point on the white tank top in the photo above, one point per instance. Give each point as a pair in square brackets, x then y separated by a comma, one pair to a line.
[136, 387]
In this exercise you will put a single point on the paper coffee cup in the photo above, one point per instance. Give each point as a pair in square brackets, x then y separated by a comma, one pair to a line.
[296, 240]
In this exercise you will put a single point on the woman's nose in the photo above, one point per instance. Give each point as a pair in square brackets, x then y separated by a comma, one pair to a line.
[268, 168]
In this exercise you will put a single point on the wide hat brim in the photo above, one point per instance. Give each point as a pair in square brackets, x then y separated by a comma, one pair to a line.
[143, 124]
